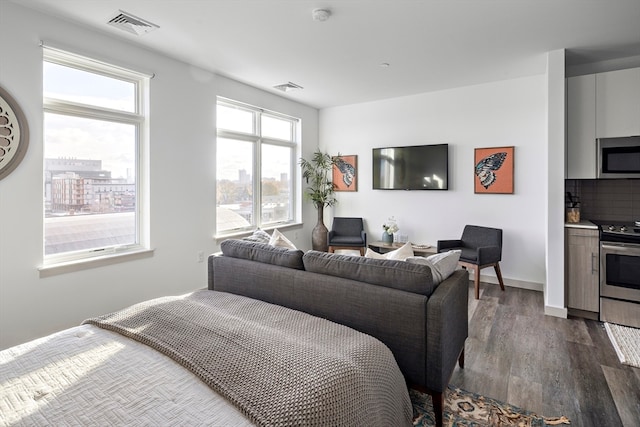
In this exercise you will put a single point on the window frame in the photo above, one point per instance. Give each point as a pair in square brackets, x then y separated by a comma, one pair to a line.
[258, 142]
[139, 119]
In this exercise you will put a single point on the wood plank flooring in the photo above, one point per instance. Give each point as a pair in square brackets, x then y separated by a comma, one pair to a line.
[545, 364]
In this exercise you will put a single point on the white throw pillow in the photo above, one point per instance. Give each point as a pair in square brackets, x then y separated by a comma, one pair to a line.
[442, 265]
[279, 240]
[399, 254]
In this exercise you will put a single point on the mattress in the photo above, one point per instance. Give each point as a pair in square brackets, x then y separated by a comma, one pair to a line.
[41, 380]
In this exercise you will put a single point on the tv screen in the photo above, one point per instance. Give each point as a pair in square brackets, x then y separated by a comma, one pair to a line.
[420, 167]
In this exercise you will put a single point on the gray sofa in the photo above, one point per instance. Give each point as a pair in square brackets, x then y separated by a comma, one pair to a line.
[425, 326]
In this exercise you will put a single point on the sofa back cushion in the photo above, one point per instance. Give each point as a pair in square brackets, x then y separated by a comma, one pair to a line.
[389, 273]
[263, 252]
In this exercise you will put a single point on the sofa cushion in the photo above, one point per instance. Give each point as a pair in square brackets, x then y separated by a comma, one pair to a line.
[263, 252]
[442, 265]
[383, 272]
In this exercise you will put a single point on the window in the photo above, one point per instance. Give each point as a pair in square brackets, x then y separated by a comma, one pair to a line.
[255, 159]
[94, 125]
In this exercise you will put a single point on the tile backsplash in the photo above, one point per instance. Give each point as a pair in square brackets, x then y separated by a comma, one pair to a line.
[607, 199]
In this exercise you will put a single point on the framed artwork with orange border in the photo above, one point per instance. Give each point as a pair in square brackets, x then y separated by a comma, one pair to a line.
[493, 170]
[345, 173]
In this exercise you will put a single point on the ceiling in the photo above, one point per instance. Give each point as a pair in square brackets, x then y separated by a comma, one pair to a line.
[429, 45]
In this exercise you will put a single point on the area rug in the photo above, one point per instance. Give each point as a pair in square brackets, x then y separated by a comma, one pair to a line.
[463, 408]
[626, 341]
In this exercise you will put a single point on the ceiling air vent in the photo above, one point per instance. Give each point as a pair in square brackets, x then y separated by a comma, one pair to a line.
[132, 24]
[287, 87]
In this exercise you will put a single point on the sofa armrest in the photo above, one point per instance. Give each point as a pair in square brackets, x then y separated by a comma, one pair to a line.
[210, 269]
[448, 244]
[447, 328]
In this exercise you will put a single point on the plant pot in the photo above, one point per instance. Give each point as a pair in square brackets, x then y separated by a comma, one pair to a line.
[386, 237]
[319, 233]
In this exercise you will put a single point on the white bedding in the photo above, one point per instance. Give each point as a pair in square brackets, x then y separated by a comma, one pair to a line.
[39, 382]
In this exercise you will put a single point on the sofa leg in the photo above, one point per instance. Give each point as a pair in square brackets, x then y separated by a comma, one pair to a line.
[438, 407]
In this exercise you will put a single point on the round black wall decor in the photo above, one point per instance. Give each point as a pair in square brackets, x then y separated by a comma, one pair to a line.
[14, 134]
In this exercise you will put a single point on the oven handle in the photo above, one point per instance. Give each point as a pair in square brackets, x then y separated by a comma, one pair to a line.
[620, 246]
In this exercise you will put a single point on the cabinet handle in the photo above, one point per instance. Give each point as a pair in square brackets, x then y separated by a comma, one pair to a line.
[594, 263]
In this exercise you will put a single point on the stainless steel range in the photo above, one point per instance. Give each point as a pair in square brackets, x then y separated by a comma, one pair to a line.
[620, 272]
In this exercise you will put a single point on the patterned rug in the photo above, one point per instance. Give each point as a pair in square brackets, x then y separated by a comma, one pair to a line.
[462, 408]
[626, 341]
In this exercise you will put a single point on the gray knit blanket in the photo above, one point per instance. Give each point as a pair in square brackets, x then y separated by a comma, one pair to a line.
[279, 366]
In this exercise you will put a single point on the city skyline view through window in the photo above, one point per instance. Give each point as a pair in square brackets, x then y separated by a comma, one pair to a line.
[91, 144]
[254, 165]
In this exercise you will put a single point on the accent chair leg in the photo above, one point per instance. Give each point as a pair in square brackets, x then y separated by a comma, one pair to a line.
[476, 274]
[499, 274]
[331, 250]
[362, 251]
[438, 407]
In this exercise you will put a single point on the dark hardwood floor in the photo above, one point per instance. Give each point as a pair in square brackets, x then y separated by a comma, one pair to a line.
[545, 364]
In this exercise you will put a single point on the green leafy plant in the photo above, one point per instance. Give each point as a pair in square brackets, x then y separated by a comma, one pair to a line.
[317, 173]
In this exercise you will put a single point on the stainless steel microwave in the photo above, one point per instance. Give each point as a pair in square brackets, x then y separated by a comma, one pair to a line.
[619, 157]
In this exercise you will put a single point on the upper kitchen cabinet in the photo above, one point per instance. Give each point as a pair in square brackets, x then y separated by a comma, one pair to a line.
[618, 103]
[581, 127]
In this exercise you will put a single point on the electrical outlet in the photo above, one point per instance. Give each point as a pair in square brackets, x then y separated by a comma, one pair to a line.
[201, 256]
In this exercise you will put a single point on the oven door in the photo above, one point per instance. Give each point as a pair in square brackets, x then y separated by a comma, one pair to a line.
[620, 271]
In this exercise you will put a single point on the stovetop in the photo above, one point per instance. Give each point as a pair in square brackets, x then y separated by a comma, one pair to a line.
[619, 230]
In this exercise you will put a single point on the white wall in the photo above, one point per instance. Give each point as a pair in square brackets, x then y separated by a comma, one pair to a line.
[554, 300]
[506, 113]
[182, 181]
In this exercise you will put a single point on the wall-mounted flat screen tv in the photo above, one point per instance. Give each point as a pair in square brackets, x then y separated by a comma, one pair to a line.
[418, 167]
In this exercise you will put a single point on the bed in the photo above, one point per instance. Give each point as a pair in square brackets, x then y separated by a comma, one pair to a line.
[227, 355]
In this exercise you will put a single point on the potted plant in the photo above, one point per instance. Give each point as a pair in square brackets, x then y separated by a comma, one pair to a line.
[317, 173]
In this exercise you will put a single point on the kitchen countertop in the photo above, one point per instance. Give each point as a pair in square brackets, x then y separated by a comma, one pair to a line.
[581, 224]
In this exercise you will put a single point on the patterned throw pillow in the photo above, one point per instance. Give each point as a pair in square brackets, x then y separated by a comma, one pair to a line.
[399, 254]
[259, 236]
[442, 265]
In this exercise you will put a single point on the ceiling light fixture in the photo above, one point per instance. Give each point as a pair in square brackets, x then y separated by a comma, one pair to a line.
[320, 14]
[288, 87]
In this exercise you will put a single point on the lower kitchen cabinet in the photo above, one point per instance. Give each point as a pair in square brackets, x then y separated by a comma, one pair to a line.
[582, 269]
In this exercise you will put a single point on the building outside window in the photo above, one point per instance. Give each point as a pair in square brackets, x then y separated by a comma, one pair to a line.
[255, 160]
[94, 128]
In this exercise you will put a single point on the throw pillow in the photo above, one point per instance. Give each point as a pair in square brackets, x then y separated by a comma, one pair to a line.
[259, 236]
[442, 265]
[399, 254]
[279, 240]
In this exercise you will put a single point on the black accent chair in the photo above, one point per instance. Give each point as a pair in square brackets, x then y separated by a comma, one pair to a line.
[347, 233]
[481, 247]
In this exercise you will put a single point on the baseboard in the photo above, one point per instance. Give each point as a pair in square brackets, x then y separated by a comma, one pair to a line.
[514, 283]
[555, 311]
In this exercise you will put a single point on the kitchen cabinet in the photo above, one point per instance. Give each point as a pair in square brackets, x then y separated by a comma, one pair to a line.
[581, 127]
[582, 269]
[618, 103]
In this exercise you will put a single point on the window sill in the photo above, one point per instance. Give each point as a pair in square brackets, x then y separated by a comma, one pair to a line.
[245, 233]
[88, 263]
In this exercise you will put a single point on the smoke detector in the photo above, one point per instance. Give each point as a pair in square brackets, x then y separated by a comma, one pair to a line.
[288, 87]
[320, 14]
[132, 24]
